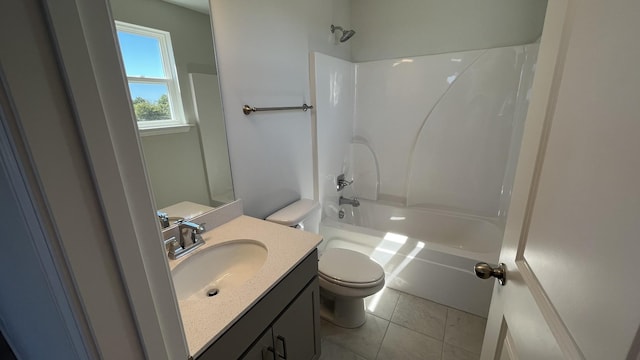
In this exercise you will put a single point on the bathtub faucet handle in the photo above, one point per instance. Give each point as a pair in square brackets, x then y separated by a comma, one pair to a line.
[342, 182]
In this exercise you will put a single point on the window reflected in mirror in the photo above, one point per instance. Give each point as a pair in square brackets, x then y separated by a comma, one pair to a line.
[151, 73]
[168, 60]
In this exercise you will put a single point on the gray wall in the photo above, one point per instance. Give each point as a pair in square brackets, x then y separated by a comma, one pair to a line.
[29, 310]
[401, 28]
[174, 161]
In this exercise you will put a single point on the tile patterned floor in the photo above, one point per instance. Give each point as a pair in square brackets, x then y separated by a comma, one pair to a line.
[404, 327]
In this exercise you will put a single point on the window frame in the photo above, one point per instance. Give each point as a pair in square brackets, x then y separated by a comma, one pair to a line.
[170, 80]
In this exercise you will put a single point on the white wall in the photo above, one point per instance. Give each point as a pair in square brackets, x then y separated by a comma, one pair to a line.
[437, 131]
[334, 95]
[174, 162]
[320, 15]
[213, 136]
[263, 58]
[392, 100]
[392, 29]
[459, 158]
[442, 126]
[522, 107]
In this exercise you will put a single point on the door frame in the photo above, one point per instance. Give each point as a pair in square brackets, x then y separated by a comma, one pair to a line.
[86, 159]
[43, 261]
[87, 49]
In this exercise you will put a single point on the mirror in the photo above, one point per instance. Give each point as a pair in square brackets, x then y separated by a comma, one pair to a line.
[169, 59]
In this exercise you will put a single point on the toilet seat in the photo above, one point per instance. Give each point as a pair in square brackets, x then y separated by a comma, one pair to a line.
[345, 277]
[350, 284]
[349, 268]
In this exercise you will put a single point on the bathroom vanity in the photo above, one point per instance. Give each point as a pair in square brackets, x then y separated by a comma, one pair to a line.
[250, 292]
[282, 325]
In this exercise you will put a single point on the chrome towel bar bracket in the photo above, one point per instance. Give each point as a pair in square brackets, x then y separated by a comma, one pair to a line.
[246, 109]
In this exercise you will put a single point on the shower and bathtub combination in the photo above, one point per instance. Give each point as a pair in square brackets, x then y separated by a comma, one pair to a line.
[431, 144]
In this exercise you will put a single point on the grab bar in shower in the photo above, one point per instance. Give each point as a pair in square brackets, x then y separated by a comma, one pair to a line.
[249, 109]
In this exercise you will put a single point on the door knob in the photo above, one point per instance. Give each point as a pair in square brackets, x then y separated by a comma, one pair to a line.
[485, 271]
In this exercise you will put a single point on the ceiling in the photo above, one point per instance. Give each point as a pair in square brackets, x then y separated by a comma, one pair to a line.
[201, 6]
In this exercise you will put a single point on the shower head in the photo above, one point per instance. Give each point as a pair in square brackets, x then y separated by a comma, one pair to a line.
[346, 34]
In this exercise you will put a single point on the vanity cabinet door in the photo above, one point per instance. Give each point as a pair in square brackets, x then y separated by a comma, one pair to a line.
[295, 333]
[262, 349]
[289, 313]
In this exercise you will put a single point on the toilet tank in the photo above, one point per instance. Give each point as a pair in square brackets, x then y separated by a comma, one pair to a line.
[303, 214]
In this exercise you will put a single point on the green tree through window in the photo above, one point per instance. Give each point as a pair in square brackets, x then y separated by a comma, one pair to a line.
[146, 110]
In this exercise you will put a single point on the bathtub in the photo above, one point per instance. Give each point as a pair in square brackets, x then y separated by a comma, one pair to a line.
[426, 253]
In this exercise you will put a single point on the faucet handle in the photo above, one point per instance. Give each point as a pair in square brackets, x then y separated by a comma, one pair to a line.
[171, 244]
[342, 183]
[163, 217]
[200, 229]
[189, 239]
[196, 228]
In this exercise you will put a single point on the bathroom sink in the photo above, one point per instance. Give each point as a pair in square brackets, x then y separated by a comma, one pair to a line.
[216, 269]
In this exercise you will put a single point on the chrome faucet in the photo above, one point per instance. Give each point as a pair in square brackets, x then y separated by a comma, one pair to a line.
[190, 235]
[346, 201]
[163, 218]
[342, 182]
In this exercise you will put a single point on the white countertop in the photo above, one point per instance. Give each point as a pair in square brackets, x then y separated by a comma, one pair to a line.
[206, 319]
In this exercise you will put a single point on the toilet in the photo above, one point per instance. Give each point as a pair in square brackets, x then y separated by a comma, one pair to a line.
[346, 277]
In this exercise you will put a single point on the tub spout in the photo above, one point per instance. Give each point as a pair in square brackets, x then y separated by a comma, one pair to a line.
[346, 201]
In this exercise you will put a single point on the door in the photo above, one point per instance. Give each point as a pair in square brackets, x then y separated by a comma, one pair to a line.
[262, 349]
[572, 239]
[294, 333]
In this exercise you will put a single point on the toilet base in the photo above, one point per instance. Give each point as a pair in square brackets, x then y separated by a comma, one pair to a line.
[346, 312]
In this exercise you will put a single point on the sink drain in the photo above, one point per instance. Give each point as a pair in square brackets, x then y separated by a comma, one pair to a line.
[212, 292]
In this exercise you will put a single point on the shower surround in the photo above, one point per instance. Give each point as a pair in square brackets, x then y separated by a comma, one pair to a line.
[425, 138]
[438, 131]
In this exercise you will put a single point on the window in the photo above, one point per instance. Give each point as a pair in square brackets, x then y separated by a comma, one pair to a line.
[151, 73]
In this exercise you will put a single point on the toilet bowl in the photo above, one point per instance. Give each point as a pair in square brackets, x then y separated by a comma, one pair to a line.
[346, 277]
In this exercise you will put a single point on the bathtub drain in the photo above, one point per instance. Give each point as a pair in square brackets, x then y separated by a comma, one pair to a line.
[212, 292]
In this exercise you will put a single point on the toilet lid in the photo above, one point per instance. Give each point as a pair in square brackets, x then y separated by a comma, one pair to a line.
[349, 266]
